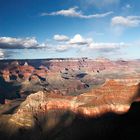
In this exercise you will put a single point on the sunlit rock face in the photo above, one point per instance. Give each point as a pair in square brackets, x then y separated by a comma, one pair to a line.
[111, 97]
[22, 72]
[57, 91]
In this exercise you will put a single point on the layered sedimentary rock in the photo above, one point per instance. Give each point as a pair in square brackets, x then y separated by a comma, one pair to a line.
[84, 86]
[111, 97]
[22, 72]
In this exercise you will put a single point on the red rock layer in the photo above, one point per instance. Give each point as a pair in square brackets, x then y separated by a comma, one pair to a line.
[111, 97]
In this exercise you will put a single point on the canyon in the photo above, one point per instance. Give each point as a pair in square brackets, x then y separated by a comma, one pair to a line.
[53, 97]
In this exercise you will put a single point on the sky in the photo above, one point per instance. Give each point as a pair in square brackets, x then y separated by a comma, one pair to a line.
[32, 29]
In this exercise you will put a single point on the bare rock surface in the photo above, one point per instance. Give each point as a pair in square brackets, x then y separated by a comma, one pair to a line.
[111, 97]
[50, 94]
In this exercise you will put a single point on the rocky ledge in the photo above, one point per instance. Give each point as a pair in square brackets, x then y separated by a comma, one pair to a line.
[111, 97]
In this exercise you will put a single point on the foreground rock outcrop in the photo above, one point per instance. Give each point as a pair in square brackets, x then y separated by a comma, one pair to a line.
[111, 97]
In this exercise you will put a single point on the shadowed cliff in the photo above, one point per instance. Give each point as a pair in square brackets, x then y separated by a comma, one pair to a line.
[8, 90]
[108, 126]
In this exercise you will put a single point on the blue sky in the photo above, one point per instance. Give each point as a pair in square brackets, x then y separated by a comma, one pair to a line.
[69, 28]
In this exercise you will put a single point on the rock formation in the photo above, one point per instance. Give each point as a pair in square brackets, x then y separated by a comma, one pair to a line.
[36, 89]
[111, 97]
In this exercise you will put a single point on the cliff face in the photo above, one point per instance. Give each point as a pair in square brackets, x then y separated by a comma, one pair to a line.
[111, 97]
[22, 72]
[52, 89]
[67, 77]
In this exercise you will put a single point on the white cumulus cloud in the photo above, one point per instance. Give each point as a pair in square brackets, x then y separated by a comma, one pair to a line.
[78, 43]
[81, 43]
[61, 37]
[106, 47]
[19, 43]
[129, 21]
[78, 40]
